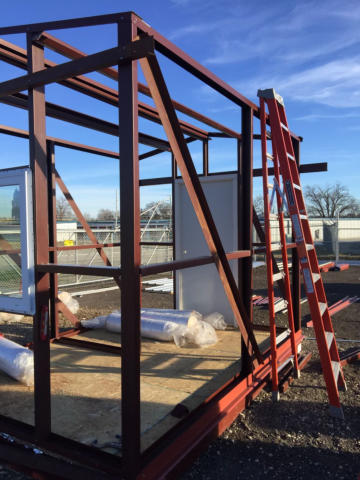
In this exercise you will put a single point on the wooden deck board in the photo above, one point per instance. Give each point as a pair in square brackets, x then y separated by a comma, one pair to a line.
[86, 385]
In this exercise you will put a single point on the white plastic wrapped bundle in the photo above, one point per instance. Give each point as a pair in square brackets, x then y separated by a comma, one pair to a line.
[97, 322]
[201, 334]
[182, 317]
[17, 361]
[216, 320]
[196, 332]
[163, 330]
[71, 303]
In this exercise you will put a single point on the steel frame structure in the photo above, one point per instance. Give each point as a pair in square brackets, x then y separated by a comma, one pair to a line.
[136, 42]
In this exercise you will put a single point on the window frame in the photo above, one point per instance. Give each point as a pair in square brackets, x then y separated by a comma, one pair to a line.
[26, 303]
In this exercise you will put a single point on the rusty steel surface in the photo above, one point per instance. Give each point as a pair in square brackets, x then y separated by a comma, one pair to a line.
[38, 164]
[130, 254]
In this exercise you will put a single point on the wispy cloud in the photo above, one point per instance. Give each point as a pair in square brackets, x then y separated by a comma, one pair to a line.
[335, 83]
[198, 29]
[313, 117]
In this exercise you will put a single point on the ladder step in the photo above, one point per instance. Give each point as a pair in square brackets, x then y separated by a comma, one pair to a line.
[296, 186]
[290, 156]
[322, 307]
[329, 339]
[278, 276]
[309, 246]
[288, 360]
[316, 277]
[284, 127]
[336, 369]
[269, 156]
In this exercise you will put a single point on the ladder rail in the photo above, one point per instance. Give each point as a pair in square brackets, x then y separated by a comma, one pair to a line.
[290, 310]
[314, 286]
[269, 263]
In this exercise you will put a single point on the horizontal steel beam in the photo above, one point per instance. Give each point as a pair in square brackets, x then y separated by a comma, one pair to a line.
[174, 53]
[189, 263]
[303, 168]
[145, 270]
[20, 100]
[94, 271]
[90, 63]
[69, 23]
[71, 52]
[17, 56]
[257, 172]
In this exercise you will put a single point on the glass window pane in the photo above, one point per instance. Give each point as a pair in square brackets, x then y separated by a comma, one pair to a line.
[10, 242]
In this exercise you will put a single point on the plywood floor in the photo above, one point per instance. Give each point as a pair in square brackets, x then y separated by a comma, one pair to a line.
[86, 386]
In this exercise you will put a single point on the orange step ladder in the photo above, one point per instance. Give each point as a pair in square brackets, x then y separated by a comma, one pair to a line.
[284, 156]
[269, 219]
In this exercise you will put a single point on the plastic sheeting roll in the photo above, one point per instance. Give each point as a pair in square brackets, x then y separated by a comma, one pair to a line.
[150, 327]
[181, 317]
[187, 330]
[17, 361]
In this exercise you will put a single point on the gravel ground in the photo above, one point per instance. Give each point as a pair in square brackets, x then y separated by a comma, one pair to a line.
[292, 439]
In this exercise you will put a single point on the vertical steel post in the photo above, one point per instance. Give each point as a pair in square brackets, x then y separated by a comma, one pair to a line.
[173, 176]
[38, 164]
[54, 313]
[245, 219]
[130, 253]
[296, 281]
[205, 144]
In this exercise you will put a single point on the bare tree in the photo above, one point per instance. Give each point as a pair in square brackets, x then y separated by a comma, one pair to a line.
[106, 214]
[63, 210]
[331, 200]
[259, 205]
[163, 210]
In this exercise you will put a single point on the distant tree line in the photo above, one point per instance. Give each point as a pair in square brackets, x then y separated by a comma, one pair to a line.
[154, 210]
[323, 201]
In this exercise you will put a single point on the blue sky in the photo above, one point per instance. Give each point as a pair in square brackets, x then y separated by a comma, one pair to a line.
[308, 51]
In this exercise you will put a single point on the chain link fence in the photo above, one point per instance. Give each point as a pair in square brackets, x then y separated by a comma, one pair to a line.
[149, 253]
[335, 239]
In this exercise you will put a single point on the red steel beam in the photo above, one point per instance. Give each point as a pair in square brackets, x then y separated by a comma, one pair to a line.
[87, 121]
[38, 164]
[95, 271]
[350, 356]
[183, 158]
[130, 255]
[69, 23]
[15, 55]
[71, 52]
[87, 64]
[174, 53]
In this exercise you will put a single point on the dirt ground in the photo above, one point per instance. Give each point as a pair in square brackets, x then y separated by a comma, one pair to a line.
[294, 438]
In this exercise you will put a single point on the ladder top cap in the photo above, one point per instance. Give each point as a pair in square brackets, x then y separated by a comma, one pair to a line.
[270, 93]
